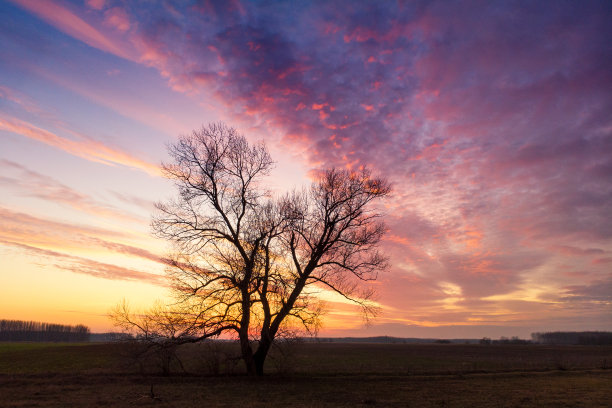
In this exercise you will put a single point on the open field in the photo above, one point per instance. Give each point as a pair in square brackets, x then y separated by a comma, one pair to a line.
[312, 375]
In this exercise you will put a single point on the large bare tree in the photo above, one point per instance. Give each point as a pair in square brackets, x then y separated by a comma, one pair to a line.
[249, 264]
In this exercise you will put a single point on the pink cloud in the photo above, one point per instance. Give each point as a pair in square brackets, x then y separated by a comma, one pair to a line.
[571, 250]
[96, 4]
[84, 148]
[126, 104]
[135, 200]
[27, 224]
[117, 18]
[86, 266]
[21, 100]
[33, 184]
[55, 236]
[598, 291]
[68, 22]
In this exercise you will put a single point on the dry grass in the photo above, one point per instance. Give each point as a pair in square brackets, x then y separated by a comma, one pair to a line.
[322, 375]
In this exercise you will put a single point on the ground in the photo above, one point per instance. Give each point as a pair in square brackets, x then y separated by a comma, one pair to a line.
[311, 375]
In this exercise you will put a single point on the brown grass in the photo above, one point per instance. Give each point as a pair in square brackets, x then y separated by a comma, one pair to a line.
[314, 375]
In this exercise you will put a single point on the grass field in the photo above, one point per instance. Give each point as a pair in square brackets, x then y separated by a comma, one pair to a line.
[311, 375]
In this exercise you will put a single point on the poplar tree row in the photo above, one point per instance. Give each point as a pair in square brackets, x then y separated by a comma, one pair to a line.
[578, 338]
[19, 330]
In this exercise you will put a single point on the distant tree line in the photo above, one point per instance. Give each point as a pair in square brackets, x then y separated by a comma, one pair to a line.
[577, 338]
[504, 340]
[19, 330]
[110, 337]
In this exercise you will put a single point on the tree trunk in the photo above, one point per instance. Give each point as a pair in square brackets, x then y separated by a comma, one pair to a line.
[259, 363]
[260, 355]
[247, 355]
[243, 333]
[249, 362]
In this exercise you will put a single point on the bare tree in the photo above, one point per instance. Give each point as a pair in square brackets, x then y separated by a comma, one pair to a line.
[250, 265]
[159, 331]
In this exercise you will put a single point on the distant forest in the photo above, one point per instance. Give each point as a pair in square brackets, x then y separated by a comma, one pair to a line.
[19, 330]
[577, 338]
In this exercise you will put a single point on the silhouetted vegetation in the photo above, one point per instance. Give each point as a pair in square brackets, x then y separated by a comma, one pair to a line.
[19, 330]
[109, 337]
[247, 264]
[504, 340]
[388, 340]
[575, 338]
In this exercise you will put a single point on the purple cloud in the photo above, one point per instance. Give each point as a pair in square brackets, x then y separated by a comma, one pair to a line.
[491, 119]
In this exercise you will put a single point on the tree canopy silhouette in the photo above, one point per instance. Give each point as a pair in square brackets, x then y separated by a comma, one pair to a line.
[248, 264]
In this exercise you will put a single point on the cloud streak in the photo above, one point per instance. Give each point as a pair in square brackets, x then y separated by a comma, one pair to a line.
[41, 232]
[68, 22]
[85, 148]
[30, 183]
[89, 267]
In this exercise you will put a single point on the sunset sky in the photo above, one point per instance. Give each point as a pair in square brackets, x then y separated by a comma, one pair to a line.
[492, 120]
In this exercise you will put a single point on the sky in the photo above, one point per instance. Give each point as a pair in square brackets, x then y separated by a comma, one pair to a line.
[491, 119]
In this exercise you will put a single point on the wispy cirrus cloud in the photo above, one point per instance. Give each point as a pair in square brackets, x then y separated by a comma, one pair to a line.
[135, 200]
[28, 224]
[21, 100]
[90, 267]
[599, 291]
[85, 148]
[70, 23]
[36, 233]
[128, 250]
[33, 184]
